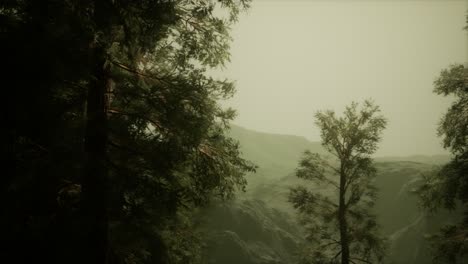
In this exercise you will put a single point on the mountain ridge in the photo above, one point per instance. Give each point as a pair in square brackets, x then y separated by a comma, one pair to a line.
[297, 144]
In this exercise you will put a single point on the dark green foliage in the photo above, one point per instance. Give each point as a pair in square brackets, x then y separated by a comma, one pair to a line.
[338, 219]
[454, 125]
[448, 187]
[162, 151]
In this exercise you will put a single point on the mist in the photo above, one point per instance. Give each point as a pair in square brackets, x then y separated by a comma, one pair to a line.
[292, 58]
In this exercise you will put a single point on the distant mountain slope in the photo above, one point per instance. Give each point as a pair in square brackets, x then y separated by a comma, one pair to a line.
[260, 226]
[275, 155]
[433, 159]
[279, 154]
[271, 148]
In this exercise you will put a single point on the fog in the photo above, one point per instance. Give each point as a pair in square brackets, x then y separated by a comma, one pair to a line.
[293, 58]
[118, 152]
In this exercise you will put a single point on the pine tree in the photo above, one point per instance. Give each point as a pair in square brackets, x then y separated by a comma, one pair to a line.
[116, 134]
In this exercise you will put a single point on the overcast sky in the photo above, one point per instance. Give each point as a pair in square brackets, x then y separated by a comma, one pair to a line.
[293, 58]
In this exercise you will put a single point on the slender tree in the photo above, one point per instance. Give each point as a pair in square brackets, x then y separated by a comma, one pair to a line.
[339, 221]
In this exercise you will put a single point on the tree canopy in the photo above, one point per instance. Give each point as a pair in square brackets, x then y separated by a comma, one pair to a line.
[115, 133]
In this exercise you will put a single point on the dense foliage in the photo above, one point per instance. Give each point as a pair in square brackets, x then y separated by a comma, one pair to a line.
[339, 222]
[448, 187]
[114, 130]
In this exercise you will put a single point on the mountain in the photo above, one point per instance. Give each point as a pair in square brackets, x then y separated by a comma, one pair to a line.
[260, 226]
[272, 149]
[433, 159]
[276, 155]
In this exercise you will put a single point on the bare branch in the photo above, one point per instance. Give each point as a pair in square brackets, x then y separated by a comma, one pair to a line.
[337, 254]
[362, 260]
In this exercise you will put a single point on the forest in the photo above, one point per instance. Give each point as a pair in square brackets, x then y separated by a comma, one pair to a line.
[234, 132]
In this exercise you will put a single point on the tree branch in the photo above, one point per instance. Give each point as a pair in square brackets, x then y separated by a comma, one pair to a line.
[125, 67]
[337, 254]
[331, 243]
[362, 260]
[137, 115]
[126, 148]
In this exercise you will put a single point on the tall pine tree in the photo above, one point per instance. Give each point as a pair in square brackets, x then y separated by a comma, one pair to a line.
[115, 131]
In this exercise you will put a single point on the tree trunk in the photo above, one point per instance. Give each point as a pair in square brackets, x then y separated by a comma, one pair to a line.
[342, 220]
[94, 184]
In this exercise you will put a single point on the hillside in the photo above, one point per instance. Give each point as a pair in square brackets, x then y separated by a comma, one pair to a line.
[276, 155]
[260, 226]
[250, 232]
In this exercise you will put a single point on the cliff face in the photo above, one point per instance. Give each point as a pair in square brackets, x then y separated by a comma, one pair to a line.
[405, 224]
[250, 232]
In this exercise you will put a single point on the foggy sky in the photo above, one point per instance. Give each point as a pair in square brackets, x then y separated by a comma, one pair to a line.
[293, 58]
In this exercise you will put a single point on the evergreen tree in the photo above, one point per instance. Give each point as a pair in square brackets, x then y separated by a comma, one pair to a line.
[338, 220]
[448, 187]
[115, 131]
